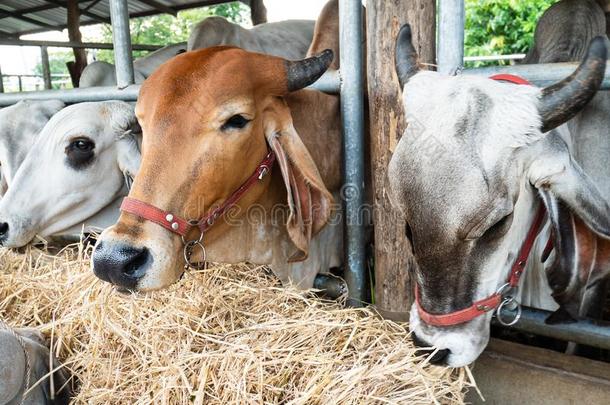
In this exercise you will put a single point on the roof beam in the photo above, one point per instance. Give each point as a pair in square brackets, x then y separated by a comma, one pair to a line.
[162, 8]
[17, 13]
[34, 22]
[89, 14]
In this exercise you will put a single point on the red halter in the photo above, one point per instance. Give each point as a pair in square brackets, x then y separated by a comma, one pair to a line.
[181, 226]
[498, 299]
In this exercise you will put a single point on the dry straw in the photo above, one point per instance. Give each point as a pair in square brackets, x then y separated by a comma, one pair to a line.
[224, 335]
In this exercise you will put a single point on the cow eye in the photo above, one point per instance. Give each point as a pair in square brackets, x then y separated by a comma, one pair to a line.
[80, 152]
[235, 122]
[500, 227]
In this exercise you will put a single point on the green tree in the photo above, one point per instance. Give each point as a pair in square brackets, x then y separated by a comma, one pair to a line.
[57, 65]
[500, 27]
[165, 29]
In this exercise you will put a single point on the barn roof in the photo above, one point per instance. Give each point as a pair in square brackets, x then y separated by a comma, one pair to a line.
[20, 17]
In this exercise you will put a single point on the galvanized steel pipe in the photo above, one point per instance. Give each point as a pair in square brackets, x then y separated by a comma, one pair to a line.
[121, 39]
[352, 109]
[541, 75]
[586, 332]
[328, 83]
[450, 54]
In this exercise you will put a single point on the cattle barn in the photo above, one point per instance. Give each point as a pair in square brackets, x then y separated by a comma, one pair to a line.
[375, 281]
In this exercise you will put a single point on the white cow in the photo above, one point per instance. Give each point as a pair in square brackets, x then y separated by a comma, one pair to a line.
[20, 124]
[287, 39]
[75, 175]
[104, 74]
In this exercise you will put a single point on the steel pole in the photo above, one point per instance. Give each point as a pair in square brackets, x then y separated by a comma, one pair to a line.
[587, 332]
[121, 39]
[450, 55]
[69, 44]
[1, 81]
[352, 110]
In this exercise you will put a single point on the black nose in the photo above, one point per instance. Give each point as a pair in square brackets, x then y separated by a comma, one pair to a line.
[3, 229]
[439, 358]
[120, 264]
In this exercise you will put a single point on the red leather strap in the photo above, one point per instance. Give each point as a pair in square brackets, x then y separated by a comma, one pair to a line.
[167, 220]
[490, 303]
[458, 317]
[181, 226]
[505, 77]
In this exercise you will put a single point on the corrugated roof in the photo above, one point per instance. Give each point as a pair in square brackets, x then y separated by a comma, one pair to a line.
[20, 17]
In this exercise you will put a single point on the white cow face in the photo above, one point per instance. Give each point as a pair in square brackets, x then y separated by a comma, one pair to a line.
[466, 174]
[78, 166]
[20, 124]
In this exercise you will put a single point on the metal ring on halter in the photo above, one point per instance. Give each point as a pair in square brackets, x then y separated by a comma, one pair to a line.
[195, 224]
[188, 253]
[509, 301]
[505, 289]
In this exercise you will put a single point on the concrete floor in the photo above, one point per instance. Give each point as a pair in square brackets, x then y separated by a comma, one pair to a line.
[509, 373]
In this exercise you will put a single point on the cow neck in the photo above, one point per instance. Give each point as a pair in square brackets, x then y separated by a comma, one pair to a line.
[500, 298]
[181, 226]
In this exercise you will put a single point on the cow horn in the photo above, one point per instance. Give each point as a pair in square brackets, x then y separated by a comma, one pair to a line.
[302, 73]
[406, 56]
[562, 101]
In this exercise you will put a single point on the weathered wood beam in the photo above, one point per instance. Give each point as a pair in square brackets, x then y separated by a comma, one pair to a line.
[74, 35]
[393, 256]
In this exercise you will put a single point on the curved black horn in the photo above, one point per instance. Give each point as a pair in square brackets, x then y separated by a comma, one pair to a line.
[302, 73]
[562, 101]
[406, 56]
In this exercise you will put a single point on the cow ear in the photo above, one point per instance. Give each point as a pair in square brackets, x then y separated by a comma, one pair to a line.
[129, 138]
[565, 181]
[51, 107]
[309, 201]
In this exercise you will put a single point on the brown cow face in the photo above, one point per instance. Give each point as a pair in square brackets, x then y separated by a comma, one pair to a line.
[208, 118]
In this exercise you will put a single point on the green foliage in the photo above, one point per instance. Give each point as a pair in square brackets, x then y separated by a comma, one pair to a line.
[57, 65]
[165, 29]
[500, 27]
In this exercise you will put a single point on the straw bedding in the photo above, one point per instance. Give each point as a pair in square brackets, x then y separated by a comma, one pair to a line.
[228, 334]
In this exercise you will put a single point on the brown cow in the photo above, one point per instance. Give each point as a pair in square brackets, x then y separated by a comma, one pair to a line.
[208, 119]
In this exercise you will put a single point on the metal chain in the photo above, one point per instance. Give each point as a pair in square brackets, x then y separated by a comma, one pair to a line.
[28, 364]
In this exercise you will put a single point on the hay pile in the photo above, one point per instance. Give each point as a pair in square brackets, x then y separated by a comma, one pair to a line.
[228, 334]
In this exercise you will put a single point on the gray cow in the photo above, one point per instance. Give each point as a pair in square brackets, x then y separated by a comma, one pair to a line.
[24, 352]
[287, 39]
[562, 35]
[468, 175]
[20, 124]
[104, 74]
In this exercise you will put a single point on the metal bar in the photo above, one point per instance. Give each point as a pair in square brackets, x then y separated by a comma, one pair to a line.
[352, 110]
[35, 22]
[330, 286]
[541, 74]
[20, 84]
[326, 83]
[491, 58]
[16, 13]
[587, 332]
[46, 69]
[1, 81]
[450, 55]
[121, 38]
[162, 8]
[64, 44]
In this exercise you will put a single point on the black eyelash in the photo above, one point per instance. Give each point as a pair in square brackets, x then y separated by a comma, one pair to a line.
[235, 122]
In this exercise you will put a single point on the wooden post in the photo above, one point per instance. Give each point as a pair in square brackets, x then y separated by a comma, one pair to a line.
[258, 12]
[74, 34]
[46, 69]
[393, 256]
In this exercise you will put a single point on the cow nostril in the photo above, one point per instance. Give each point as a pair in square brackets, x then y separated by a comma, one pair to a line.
[3, 228]
[133, 266]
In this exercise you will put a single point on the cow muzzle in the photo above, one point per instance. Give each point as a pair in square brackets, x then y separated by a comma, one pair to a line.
[144, 263]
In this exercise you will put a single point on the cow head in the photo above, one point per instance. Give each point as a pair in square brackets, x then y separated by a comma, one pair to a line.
[20, 124]
[467, 174]
[77, 167]
[208, 118]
